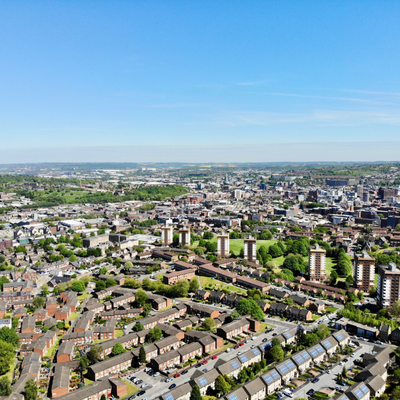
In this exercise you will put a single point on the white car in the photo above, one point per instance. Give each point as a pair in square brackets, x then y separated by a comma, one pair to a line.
[254, 338]
[144, 385]
[156, 374]
[329, 371]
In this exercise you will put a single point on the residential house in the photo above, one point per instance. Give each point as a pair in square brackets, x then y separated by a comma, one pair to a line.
[302, 360]
[166, 360]
[110, 367]
[182, 392]
[238, 394]
[287, 370]
[190, 351]
[317, 353]
[65, 352]
[205, 380]
[330, 345]
[255, 389]
[272, 380]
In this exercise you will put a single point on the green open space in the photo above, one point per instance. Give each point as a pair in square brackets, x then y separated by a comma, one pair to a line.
[131, 389]
[83, 296]
[74, 315]
[88, 381]
[119, 333]
[235, 245]
[331, 309]
[210, 282]
[52, 350]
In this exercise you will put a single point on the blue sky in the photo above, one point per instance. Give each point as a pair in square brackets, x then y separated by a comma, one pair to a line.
[199, 80]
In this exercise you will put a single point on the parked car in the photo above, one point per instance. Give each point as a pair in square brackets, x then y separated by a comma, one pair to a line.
[236, 347]
[265, 340]
[142, 392]
[205, 362]
[168, 380]
[315, 380]
[205, 370]
[177, 375]
[214, 357]
[144, 385]
[253, 346]
[311, 392]
[157, 374]
[172, 386]
[274, 334]
[241, 344]
[239, 353]
[185, 372]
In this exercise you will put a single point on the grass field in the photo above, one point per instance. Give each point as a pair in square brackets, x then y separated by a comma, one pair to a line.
[208, 281]
[131, 389]
[74, 315]
[52, 350]
[119, 333]
[235, 245]
[83, 296]
[235, 289]
[331, 309]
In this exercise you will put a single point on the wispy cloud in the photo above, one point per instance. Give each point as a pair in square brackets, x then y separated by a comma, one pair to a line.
[370, 92]
[317, 117]
[350, 99]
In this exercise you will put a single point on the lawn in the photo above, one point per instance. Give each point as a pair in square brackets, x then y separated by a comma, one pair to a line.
[232, 288]
[119, 333]
[88, 381]
[10, 373]
[83, 296]
[159, 276]
[222, 349]
[52, 350]
[331, 309]
[208, 281]
[315, 317]
[264, 327]
[131, 389]
[74, 315]
[329, 265]
[235, 245]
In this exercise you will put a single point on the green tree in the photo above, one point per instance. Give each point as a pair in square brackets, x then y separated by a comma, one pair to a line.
[194, 285]
[195, 393]
[221, 386]
[31, 390]
[311, 339]
[73, 258]
[242, 376]
[118, 349]
[10, 336]
[344, 372]
[142, 355]
[3, 280]
[334, 277]
[209, 324]
[396, 375]
[154, 334]
[84, 363]
[277, 353]
[110, 282]
[103, 271]
[5, 386]
[78, 286]
[138, 327]
[39, 302]
[128, 265]
[395, 309]
[141, 297]
[94, 354]
[235, 314]
[100, 285]
[7, 355]
[323, 331]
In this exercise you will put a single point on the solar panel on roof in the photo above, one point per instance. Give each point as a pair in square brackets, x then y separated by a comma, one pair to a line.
[169, 397]
[327, 344]
[339, 336]
[345, 397]
[306, 356]
[358, 393]
[364, 389]
[203, 381]
[256, 352]
[289, 365]
[268, 379]
[234, 364]
[233, 397]
[320, 349]
[283, 369]
[287, 335]
[275, 375]
[314, 352]
[243, 358]
[299, 359]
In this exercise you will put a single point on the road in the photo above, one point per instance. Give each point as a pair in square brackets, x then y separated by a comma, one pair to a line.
[160, 387]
